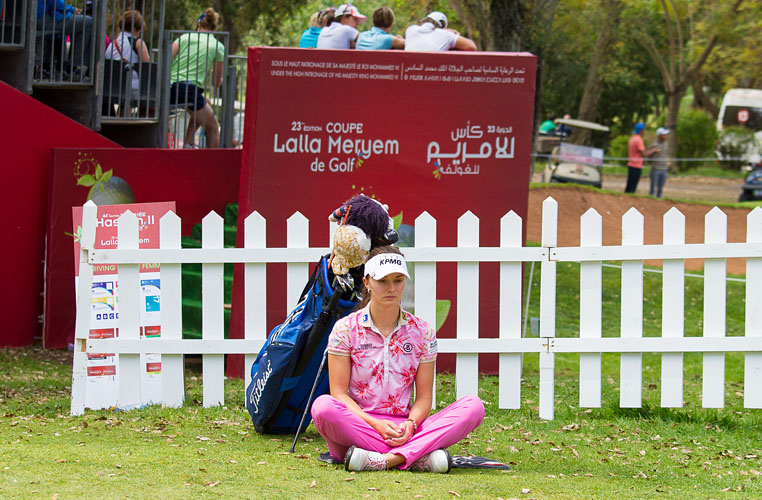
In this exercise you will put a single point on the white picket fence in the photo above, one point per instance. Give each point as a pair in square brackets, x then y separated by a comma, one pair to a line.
[467, 345]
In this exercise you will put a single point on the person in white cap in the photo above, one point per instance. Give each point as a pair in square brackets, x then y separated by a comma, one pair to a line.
[341, 32]
[431, 34]
[659, 165]
[375, 357]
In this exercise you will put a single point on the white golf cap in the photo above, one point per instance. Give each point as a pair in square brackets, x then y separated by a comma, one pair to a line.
[439, 17]
[385, 264]
[662, 131]
[344, 9]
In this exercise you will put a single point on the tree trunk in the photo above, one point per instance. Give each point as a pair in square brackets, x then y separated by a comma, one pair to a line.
[476, 20]
[588, 106]
[227, 9]
[673, 108]
[507, 19]
[703, 101]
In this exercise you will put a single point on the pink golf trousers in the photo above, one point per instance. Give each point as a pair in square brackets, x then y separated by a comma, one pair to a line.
[341, 428]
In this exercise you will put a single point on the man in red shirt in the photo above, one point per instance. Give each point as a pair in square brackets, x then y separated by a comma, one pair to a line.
[636, 151]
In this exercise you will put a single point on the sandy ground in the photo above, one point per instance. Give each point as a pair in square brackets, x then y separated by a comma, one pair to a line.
[572, 203]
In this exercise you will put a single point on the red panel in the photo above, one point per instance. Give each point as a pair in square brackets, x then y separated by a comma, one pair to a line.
[28, 133]
[436, 132]
[199, 181]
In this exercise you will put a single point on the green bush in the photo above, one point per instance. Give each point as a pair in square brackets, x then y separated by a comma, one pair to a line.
[696, 137]
[735, 146]
[618, 148]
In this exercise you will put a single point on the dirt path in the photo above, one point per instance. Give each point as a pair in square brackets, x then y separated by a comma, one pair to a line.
[572, 203]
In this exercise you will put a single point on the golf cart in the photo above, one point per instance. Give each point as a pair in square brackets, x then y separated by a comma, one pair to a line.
[578, 163]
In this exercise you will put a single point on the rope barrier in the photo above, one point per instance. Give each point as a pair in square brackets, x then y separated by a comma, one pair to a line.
[625, 158]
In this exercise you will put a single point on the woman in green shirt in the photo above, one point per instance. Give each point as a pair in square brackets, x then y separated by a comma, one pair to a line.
[197, 63]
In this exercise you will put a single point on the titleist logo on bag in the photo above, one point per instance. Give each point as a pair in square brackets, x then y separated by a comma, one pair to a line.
[256, 393]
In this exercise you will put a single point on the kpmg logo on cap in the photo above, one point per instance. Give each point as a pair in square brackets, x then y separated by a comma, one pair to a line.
[390, 260]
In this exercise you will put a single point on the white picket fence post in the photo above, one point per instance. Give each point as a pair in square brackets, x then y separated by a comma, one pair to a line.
[631, 364]
[715, 231]
[590, 309]
[426, 276]
[752, 390]
[468, 307]
[172, 365]
[84, 309]
[548, 309]
[255, 288]
[129, 315]
[467, 345]
[672, 311]
[510, 366]
[297, 236]
[213, 311]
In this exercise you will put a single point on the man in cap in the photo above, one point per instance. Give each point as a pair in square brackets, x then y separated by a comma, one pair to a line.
[659, 165]
[636, 151]
[341, 32]
[431, 34]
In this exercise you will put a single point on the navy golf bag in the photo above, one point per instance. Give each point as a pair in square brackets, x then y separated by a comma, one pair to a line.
[292, 357]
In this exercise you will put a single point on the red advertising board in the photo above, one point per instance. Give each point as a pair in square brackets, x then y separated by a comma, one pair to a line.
[438, 132]
[197, 181]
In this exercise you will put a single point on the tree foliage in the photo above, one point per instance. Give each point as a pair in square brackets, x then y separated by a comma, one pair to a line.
[679, 37]
[696, 137]
[611, 61]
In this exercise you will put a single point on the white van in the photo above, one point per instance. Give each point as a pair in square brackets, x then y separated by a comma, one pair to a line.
[743, 108]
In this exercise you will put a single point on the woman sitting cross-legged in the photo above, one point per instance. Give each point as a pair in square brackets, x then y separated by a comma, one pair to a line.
[375, 355]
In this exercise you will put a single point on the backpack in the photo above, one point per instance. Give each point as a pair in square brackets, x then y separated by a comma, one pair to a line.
[291, 358]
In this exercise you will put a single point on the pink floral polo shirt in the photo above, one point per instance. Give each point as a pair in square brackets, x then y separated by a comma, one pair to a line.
[383, 369]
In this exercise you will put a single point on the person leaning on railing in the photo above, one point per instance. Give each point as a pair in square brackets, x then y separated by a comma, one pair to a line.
[56, 18]
[318, 21]
[431, 34]
[194, 56]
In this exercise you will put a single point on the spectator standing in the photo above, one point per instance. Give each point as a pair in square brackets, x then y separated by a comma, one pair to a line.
[378, 37]
[56, 17]
[128, 46]
[636, 151]
[318, 21]
[659, 165]
[341, 32]
[194, 57]
[431, 34]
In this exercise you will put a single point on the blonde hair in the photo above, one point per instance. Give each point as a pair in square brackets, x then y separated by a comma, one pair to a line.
[315, 20]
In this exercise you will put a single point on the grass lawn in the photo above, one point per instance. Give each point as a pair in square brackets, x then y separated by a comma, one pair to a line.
[193, 452]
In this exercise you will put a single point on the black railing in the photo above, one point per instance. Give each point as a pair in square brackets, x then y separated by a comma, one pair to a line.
[13, 17]
[65, 41]
[116, 73]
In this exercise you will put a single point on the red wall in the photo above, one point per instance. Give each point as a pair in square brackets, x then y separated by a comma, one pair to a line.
[199, 181]
[28, 133]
